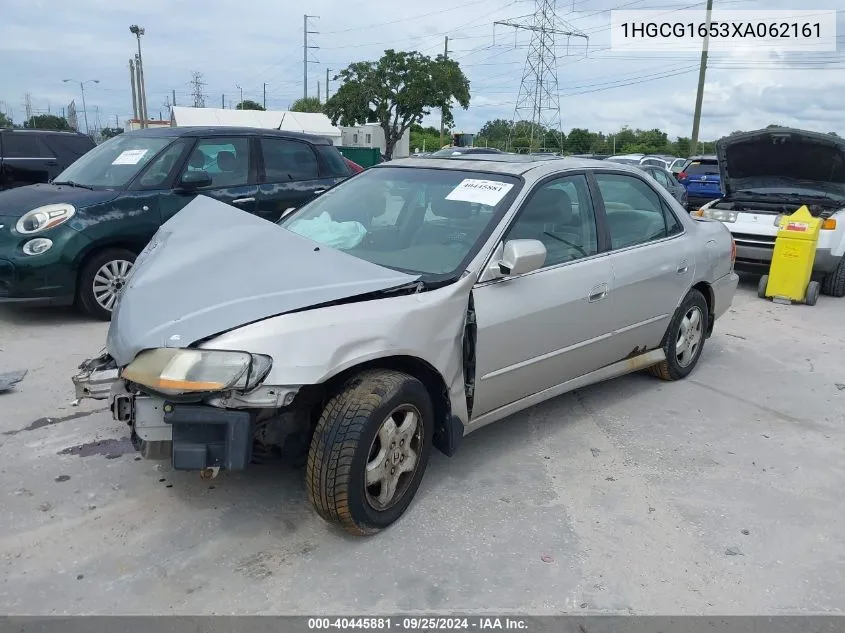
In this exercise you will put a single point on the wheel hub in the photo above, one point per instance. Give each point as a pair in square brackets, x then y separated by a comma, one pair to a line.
[393, 457]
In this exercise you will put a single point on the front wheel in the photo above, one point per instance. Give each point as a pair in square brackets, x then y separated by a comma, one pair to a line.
[370, 450]
[102, 280]
[833, 283]
[684, 339]
[762, 285]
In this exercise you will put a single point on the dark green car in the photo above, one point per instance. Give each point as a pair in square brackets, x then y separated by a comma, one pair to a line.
[73, 241]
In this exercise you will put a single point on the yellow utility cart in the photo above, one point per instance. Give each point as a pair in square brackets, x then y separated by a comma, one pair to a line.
[788, 280]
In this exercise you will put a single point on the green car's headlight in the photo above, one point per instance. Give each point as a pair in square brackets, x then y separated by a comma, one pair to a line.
[178, 371]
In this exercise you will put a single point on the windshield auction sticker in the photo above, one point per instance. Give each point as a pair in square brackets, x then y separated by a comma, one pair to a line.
[489, 192]
[725, 30]
[129, 157]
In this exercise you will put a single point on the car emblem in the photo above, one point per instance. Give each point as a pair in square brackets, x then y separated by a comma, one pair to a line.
[755, 218]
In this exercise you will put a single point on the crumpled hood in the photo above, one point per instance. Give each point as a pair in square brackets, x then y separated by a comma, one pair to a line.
[782, 157]
[15, 202]
[212, 268]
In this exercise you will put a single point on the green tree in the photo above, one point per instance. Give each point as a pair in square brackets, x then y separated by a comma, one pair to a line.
[248, 104]
[496, 131]
[306, 104]
[578, 141]
[109, 132]
[4, 120]
[47, 122]
[397, 91]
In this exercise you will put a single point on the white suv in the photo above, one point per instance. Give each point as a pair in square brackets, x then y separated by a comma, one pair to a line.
[770, 173]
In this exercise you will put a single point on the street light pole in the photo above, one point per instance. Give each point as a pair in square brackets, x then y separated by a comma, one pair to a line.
[242, 95]
[142, 90]
[82, 90]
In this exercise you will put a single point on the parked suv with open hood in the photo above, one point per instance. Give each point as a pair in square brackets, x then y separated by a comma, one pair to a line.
[772, 172]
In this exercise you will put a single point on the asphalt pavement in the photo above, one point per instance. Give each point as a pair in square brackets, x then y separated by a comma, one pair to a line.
[719, 494]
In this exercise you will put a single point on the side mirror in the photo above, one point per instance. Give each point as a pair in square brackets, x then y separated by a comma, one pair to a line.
[195, 180]
[522, 256]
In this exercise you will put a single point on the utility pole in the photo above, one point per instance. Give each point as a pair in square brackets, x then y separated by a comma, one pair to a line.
[318, 92]
[223, 101]
[242, 94]
[174, 97]
[305, 48]
[702, 71]
[265, 95]
[116, 123]
[446, 55]
[142, 90]
[133, 80]
[327, 84]
[539, 100]
[82, 90]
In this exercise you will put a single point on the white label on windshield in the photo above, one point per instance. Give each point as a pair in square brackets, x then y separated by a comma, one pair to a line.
[129, 157]
[489, 192]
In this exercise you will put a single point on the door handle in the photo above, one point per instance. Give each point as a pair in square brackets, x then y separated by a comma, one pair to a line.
[242, 200]
[598, 293]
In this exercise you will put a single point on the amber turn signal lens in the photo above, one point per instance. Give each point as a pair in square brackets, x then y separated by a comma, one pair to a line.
[829, 224]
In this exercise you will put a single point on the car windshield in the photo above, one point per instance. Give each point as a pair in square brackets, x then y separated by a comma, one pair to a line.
[422, 221]
[114, 163]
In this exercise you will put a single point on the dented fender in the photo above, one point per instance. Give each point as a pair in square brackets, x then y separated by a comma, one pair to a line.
[311, 346]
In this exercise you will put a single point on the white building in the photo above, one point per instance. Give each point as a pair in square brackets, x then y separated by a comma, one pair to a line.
[306, 122]
[371, 135]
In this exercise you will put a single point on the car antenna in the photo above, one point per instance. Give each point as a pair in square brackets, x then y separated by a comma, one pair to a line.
[282, 121]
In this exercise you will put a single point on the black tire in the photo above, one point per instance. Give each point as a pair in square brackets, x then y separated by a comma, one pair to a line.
[672, 368]
[812, 297]
[833, 283]
[341, 447]
[85, 297]
[761, 286]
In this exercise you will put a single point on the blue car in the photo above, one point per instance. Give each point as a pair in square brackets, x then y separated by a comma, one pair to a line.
[700, 177]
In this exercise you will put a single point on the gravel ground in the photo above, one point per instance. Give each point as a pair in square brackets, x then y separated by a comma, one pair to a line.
[720, 494]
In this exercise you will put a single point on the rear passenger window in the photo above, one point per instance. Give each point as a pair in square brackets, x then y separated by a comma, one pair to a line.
[24, 145]
[332, 163]
[286, 160]
[635, 212]
[559, 214]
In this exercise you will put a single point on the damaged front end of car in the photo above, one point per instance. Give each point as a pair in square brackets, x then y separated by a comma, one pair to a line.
[218, 371]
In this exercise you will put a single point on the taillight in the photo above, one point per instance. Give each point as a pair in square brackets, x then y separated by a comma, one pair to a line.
[682, 175]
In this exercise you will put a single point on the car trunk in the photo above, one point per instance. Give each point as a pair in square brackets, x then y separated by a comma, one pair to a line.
[701, 178]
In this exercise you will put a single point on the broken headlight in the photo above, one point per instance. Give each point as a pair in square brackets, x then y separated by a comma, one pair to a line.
[178, 371]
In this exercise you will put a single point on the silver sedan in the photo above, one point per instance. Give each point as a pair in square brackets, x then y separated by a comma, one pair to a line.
[399, 311]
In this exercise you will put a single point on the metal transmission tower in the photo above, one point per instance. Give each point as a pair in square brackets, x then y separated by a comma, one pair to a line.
[196, 90]
[538, 101]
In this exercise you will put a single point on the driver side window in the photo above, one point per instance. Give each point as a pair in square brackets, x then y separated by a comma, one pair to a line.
[225, 159]
[560, 214]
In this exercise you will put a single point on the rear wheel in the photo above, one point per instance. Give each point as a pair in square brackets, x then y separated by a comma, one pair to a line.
[684, 339]
[102, 280]
[761, 286]
[833, 283]
[370, 450]
[813, 289]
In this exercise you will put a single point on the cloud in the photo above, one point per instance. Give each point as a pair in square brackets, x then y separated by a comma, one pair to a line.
[258, 46]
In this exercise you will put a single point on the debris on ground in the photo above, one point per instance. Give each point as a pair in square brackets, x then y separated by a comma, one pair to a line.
[595, 452]
[546, 558]
[840, 386]
[10, 379]
[745, 532]
[733, 551]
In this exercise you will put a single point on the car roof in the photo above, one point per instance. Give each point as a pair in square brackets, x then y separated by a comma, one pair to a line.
[12, 130]
[705, 157]
[223, 130]
[508, 164]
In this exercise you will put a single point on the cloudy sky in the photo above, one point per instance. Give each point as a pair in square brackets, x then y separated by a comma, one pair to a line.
[246, 43]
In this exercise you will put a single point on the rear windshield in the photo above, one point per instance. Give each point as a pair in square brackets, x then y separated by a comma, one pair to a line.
[702, 168]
